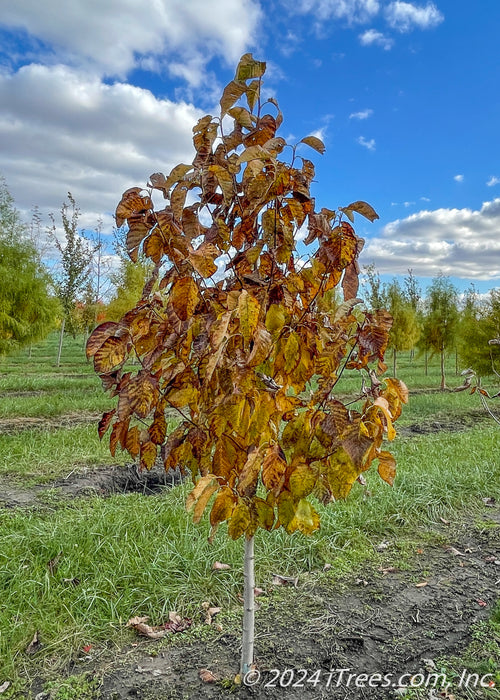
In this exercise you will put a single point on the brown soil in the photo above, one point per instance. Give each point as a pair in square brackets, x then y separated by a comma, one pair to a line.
[68, 420]
[378, 621]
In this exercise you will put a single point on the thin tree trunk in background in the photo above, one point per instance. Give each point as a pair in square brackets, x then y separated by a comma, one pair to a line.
[248, 608]
[61, 336]
[394, 362]
[456, 361]
[426, 364]
[443, 381]
[30, 349]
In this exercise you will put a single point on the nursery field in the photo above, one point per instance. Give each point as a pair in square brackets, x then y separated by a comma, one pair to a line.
[395, 596]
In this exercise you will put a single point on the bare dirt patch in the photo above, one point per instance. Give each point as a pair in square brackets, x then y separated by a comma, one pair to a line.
[380, 621]
[68, 420]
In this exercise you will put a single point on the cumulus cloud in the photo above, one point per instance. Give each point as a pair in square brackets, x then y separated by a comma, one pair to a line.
[493, 181]
[364, 114]
[115, 36]
[458, 178]
[62, 130]
[369, 144]
[459, 242]
[353, 11]
[374, 38]
[405, 16]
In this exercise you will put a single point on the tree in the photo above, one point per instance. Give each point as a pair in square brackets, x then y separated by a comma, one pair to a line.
[129, 281]
[440, 323]
[480, 324]
[374, 289]
[233, 357]
[75, 259]
[28, 308]
[405, 330]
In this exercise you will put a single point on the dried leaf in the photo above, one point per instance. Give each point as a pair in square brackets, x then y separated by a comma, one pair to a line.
[54, 563]
[220, 566]
[455, 552]
[34, 645]
[5, 686]
[279, 580]
[422, 584]
[249, 68]
[364, 209]
[314, 142]
[207, 676]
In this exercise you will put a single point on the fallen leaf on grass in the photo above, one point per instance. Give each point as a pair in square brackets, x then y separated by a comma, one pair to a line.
[34, 645]
[422, 584]
[87, 648]
[5, 686]
[279, 580]
[210, 613]
[492, 560]
[73, 581]
[482, 603]
[327, 567]
[258, 591]
[207, 676]
[140, 625]
[489, 501]
[445, 522]
[388, 569]
[175, 624]
[219, 566]
[383, 545]
[455, 551]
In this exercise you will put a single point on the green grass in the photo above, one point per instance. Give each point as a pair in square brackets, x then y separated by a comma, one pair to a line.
[133, 555]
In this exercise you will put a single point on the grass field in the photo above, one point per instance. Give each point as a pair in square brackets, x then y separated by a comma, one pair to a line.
[129, 554]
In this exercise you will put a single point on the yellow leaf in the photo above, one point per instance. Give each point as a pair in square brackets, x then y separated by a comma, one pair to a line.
[202, 259]
[184, 296]
[203, 499]
[387, 466]
[110, 355]
[383, 405]
[203, 483]
[232, 93]
[265, 513]
[254, 153]
[292, 352]
[239, 521]
[148, 455]
[341, 474]
[262, 346]
[249, 68]
[242, 116]
[225, 180]
[132, 443]
[275, 318]
[182, 397]
[273, 470]
[223, 506]
[305, 520]
[302, 480]
[249, 475]
[248, 312]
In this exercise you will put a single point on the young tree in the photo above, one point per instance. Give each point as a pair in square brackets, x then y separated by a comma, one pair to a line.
[233, 357]
[129, 281]
[480, 324]
[75, 259]
[405, 330]
[440, 324]
[28, 308]
[374, 290]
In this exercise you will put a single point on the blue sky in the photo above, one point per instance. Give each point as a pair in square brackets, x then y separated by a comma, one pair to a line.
[95, 96]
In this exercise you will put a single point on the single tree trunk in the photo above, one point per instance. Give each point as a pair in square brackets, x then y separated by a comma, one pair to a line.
[30, 351]
[443, 381]
[61, 336]
[456, 362]
[394, 362]
[426, 364]
[248, 609]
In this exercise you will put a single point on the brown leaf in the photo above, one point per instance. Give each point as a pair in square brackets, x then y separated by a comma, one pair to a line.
[207, 676]
[141, 627]
[314, 142]
[232, 93]
[219, 566]
[279, 580]
[455, 552]
[110, 355]
[34, 645]
[445, 522]
[422, 584]
[99, 336]
[5, 686]
[105, 422]
[249, 68]
[364, 209]
[184, 296]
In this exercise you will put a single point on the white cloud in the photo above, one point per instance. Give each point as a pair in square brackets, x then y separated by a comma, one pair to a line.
[353, 11]
[493, 181]
[370, 145]
[61, 130]
[459, 242]
[115, 36]
[405, 16]
[364, 114]
[458, 178]
[425, 199]
[374, 38]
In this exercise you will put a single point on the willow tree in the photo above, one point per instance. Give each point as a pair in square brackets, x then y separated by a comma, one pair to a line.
[235, 357]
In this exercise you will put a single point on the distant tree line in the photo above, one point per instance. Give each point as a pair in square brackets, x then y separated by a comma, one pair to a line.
[439, 322]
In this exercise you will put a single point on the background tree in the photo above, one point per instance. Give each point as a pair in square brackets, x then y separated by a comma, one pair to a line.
[440, 325]
[76, 255]
[479, 324]
[405, 330]
[129, 281]
[413, 295]
[234, 357]
[374, 291]
[28, 308]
